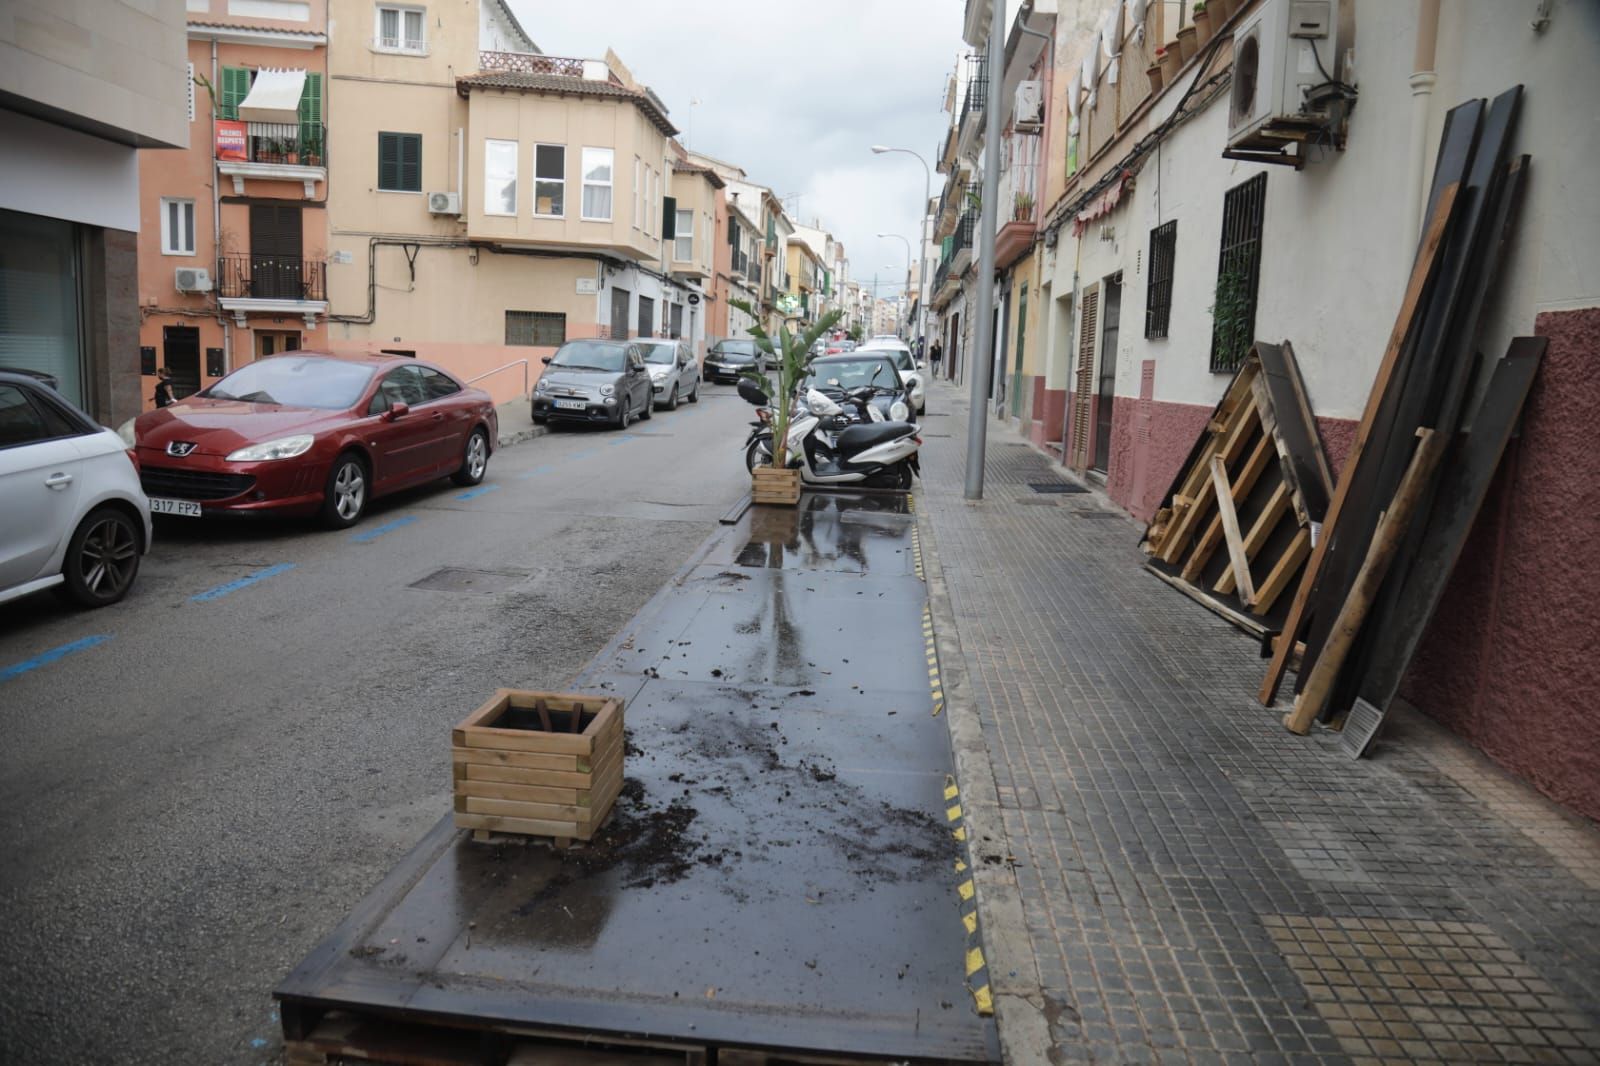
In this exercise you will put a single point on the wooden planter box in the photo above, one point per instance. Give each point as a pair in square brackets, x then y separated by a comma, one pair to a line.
[771, 485]
[538, 763]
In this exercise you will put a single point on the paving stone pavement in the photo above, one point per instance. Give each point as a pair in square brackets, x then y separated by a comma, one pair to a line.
[1198, 884]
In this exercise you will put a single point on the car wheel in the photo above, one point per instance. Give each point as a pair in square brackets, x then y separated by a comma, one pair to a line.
[346, 497]
[672, 401]
[475, 461]
[694, 393]
[538, 421]
[647, 410]
[625, 414]
[102, 558]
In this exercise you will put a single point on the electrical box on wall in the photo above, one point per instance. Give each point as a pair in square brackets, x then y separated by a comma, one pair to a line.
[1287, 89]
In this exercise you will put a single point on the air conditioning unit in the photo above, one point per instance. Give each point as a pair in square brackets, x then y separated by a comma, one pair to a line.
[1282, 52]
[1029, 105]
[444, 203]
[192, 279]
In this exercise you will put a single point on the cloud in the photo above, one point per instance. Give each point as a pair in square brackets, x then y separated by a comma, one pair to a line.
[796, 94]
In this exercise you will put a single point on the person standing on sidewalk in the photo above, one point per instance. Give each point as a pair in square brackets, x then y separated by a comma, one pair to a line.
[935, 353]
[163, 395]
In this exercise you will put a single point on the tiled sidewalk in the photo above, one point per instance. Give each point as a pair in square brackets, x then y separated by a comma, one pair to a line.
[1197, 884]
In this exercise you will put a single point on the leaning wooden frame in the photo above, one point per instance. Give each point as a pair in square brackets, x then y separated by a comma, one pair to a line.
[538, 764]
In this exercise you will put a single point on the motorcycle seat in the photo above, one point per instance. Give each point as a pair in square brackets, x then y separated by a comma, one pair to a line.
[866, 435]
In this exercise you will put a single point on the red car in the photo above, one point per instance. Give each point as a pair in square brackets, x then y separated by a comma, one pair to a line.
[308, 433]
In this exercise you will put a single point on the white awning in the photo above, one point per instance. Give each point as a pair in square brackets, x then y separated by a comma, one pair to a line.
[274, 96]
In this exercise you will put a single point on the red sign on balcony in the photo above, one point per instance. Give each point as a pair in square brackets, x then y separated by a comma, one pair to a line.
[232, 141]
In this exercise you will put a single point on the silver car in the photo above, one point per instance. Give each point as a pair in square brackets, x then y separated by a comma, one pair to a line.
[674, 373]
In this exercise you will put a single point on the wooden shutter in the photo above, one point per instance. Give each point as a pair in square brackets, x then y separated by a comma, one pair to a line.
[411, 162]
[1084, 383]
[235, 87]
[388, 161]
[669, 218]
[311, 114]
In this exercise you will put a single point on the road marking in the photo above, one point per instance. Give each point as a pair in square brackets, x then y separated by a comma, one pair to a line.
[535, 472]
[935, 682]
[479, 491]
[977, 970]
[244, 582]
[387, 527]
[48, 657]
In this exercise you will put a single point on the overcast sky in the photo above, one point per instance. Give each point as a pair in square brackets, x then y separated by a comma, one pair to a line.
[796, 93]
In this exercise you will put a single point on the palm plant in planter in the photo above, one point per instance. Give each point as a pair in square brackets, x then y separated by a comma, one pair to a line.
[789, 356]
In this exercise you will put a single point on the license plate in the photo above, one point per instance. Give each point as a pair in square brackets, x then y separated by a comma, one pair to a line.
[572, 405]
[186, 508]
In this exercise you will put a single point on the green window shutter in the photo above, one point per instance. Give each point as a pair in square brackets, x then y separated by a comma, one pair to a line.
[411, 162]
[388, 160]
[669, 218]
[311, 114]
[235, 87]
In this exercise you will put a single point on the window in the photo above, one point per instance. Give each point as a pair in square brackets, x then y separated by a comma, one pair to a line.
[683, 243]
[638, 193]
[500, 177]
[235, 87]
[438, 385]
[649, 201]
[1158, 291]
[19, 422]
[597, 184]
[550, 179]
[400, 162]
[1233, 308]
[400, 29]
[177, 227]
[544, 329]
[404, 385]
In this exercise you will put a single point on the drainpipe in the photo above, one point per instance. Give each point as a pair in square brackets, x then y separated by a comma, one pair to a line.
[1422, 79]
[216, 223]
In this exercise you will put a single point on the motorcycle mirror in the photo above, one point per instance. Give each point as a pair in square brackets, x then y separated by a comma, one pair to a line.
[752, 392]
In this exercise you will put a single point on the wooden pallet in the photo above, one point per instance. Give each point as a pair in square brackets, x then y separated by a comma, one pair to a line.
[539, 764]
[771, 485]
[1236, 527]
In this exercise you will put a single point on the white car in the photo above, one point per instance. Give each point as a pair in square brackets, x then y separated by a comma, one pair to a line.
[910, 373]
[72, 513]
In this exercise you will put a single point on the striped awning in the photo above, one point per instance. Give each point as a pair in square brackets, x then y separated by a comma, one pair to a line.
[274, 96]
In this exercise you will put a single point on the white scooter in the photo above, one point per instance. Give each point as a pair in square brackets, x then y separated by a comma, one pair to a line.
[870, 454]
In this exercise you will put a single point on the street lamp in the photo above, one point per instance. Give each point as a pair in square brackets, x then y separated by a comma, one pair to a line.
[907, 240]
[922, 256]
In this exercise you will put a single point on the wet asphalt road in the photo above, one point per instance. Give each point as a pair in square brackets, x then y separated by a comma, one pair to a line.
[191, 803]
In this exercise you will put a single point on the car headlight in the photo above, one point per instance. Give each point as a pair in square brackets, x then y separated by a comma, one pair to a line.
[898, 411]
[282, 448]
[607, 390]
[125, 431]
[543, 384]
[657, 373]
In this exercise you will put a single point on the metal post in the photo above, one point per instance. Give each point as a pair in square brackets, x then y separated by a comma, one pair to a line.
[922, 260]
[983, 361]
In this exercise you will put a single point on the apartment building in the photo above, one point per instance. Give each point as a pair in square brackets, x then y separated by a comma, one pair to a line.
[233, 264]
[738, 250]
[82, 89]
[1153, 215]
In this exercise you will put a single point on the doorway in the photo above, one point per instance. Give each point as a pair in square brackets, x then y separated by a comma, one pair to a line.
[180, 354]
[1016, 359]
[647, 317]
[271, 343]
[1111, 310]
[619, 314]
[275, 252]
[952, 358]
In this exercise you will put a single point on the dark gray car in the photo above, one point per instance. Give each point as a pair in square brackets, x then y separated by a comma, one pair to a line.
[594, 381]
[729, 359]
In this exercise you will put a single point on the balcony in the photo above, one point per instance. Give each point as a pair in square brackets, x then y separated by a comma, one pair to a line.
[1019, 200]
[560, 66]
[962, 240]
[272, 284]
[273, 151]
[969, 126]
[947, 152]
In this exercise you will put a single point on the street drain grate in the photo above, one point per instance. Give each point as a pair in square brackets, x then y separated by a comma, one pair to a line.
[1056, 487]
[1037, 503]
[452, 579]
[1095, 514]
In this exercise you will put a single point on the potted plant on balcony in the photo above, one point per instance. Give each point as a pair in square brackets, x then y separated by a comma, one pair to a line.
[1155, 70]
[1187, 48]
[1021, 207]
[291, 152]
[790, 358]
[1202, 24]
[1171, 62]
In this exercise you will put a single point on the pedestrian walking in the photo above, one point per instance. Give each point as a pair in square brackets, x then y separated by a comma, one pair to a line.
[935, 353]
[163, 396]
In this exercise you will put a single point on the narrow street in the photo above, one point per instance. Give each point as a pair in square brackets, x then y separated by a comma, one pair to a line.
[195, 800]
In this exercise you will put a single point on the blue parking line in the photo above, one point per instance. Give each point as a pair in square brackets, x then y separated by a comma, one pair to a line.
[244, 582]
[388, 527]
[48, 657]
[535, 472]
[625, 438]
[474, 493]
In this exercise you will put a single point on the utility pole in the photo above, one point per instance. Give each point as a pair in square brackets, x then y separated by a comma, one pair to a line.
[983, 363]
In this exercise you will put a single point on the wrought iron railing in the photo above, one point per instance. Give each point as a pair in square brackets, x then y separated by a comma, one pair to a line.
[527, 63]
[295, 143]
[977, 88]
[270, 277]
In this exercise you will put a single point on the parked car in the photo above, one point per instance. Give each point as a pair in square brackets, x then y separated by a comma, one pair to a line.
[72, 514]
[727, 359]
[594, 381]
[905, 363]
[309, 433]
[37, 375]
[835, 375]
[674, 373]
[838, 345]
